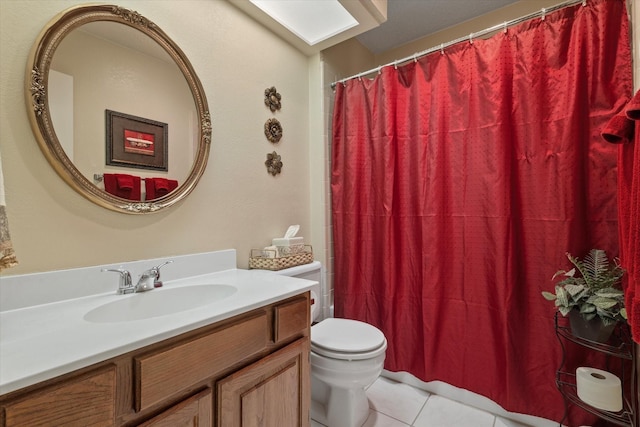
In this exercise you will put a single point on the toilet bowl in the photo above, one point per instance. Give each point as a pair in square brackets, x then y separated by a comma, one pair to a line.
[346, 357]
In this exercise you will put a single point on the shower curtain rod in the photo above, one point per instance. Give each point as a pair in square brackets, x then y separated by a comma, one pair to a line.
[541, 13]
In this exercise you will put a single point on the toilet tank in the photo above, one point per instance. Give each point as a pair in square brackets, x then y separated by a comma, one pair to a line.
[312, 271]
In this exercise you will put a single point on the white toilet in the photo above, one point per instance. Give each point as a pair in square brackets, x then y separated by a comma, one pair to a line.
[346, 357]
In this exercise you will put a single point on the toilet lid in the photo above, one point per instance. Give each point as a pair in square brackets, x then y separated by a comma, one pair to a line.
[346, 336]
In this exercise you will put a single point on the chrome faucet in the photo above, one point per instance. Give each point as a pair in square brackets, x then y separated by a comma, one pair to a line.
[148, 280]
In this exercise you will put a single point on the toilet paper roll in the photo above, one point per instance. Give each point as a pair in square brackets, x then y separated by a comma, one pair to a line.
[600, 389]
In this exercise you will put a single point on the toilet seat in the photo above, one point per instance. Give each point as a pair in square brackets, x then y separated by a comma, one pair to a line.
[347, 339]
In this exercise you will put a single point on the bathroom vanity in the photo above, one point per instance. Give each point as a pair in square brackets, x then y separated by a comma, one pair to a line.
[243, 360]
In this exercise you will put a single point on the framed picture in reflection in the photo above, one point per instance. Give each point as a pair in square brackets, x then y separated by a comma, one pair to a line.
[136, 142]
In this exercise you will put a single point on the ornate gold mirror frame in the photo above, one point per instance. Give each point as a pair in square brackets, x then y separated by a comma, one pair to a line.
[38, 67]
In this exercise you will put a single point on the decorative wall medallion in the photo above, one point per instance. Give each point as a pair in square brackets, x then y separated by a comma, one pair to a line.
[273, 130]
[272, 98]
[273, 163]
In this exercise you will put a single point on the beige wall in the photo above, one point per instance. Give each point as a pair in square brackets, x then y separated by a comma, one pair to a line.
[235, 205]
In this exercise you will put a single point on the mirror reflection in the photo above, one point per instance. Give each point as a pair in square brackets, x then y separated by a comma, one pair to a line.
[103, 67]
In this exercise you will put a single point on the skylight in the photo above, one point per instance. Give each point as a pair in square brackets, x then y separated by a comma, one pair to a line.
[311, 20]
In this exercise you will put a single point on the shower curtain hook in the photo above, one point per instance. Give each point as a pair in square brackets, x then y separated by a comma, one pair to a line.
[441, 48]
[544, 11]
[471, 38]
[395, 64]
[584, 3]
[505, 27]
[415, 58]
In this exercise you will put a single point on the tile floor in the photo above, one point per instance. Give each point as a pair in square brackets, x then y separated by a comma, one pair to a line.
[394, 404]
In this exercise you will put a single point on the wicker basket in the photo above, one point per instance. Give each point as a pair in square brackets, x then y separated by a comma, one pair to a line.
[266, 259]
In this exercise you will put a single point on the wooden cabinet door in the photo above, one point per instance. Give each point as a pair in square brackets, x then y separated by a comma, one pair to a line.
[196, 411]
[273, 392]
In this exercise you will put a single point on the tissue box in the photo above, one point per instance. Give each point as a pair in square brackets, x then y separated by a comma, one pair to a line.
[288, 246]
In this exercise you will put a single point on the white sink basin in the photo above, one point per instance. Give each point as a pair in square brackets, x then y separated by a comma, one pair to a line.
[159, 302]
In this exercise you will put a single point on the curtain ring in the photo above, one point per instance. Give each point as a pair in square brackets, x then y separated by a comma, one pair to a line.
[471, 38]
[505, 27]
[584, 3]
[441, 48]
[395, 64]
[544, 12]
[415, 58]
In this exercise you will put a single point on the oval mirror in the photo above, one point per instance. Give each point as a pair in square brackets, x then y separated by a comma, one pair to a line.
[117, 109]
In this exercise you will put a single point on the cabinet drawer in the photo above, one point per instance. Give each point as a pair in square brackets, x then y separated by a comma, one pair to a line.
[291, 319]
[88, 400]
[162, 374]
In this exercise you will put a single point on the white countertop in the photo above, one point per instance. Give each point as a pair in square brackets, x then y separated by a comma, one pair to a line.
[44, 341]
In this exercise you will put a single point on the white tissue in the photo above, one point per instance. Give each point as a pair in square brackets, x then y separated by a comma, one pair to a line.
[600, 389]
[291, 231]
[289, 244]
[270, 252]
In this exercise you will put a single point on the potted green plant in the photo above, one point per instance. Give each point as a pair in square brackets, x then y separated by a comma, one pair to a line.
[590, 294]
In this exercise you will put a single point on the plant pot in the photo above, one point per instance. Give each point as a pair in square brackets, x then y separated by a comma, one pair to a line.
[592, 330]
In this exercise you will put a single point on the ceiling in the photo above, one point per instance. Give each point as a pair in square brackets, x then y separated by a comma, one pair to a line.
[382, 24]
[409, 20]
[283, 17]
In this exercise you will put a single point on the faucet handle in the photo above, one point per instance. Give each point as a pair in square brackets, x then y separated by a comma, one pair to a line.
[157, 267]
[125, 284]
[157, 283]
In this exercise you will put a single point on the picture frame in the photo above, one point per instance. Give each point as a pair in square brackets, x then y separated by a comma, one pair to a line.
[136, 142]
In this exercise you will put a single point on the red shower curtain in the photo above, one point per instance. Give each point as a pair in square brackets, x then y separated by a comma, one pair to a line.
[624, 129]
[460, 180]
